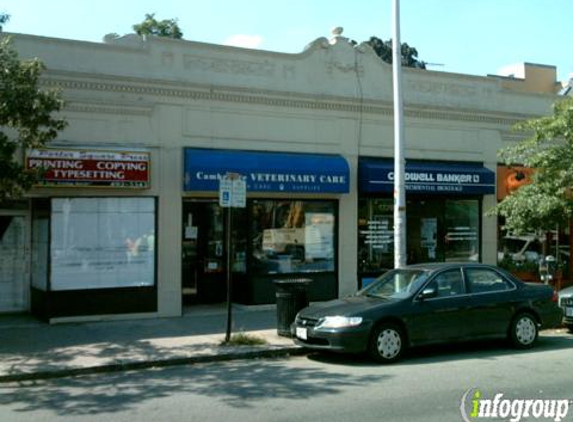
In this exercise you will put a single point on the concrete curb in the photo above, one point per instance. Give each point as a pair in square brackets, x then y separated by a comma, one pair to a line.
[154, 363]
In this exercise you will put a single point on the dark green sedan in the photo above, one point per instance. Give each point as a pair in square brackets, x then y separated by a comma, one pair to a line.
[426, 304]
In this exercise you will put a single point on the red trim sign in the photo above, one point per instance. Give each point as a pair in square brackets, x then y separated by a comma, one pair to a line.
[69, 167]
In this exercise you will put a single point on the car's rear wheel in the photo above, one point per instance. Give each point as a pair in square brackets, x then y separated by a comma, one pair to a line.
[570, 328]
[387, 343]
[523, 331]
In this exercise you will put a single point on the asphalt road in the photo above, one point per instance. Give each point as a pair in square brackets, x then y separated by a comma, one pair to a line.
[427, 386]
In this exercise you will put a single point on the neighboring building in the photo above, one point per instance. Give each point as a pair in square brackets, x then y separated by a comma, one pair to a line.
[522, 253]
[529, 77]
[128, 220]
[567, 87]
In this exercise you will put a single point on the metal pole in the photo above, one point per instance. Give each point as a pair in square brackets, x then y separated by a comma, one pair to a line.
[399, 160]
[229, 273]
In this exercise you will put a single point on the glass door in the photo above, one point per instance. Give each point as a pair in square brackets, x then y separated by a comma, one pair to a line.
[14, 273]
[203, 253]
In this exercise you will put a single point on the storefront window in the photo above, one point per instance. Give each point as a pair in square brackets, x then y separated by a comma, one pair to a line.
[425, 232]
[375, 235]
[102, 243]
[437, 230]
[292, 236]
[462, 230]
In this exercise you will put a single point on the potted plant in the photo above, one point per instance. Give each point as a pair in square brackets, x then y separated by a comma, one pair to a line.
[524, 270]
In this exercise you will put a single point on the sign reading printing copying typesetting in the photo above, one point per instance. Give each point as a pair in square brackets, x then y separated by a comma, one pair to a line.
[71, 167]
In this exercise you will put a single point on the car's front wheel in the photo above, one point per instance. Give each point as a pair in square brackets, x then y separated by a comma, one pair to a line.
[523, 331]
[387, 343]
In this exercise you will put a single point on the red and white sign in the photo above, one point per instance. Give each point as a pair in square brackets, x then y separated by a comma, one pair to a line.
[70, 167]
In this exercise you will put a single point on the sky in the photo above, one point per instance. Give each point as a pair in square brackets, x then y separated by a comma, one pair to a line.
[474, 37]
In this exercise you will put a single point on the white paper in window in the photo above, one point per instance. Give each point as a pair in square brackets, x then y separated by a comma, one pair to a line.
[102, 243]
[319, 236]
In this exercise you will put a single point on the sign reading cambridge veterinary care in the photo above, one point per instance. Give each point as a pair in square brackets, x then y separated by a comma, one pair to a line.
[70, 167]
[266, 171]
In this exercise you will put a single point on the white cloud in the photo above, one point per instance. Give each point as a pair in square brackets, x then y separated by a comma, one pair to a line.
[243, 40]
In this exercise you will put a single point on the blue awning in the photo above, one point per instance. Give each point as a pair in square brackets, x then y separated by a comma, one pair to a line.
[267, 171]
[377, 176]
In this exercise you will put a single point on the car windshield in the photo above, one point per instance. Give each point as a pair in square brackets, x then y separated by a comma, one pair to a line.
[396, 284]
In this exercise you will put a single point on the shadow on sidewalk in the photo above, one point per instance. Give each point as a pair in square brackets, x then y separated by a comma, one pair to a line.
[29, 346]
[24, 333]
[239, 384]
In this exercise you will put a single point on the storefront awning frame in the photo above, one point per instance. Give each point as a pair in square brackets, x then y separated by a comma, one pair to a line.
[433, 178]
[266, 171]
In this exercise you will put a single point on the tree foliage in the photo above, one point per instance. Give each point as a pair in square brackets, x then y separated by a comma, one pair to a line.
[548, 200]
[167, 28]
[26, 119]
[384, 50]
[4, 18]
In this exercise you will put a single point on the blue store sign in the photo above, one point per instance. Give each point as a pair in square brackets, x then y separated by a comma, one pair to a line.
[267, 171]
[377, 176]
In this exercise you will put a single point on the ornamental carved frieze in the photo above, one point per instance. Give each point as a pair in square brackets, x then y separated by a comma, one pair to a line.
[235, 67]
[449, 89]
[338, 66]
[271, 99]
[116, 109]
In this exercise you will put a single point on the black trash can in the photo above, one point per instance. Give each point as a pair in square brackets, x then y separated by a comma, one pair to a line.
[292, 296]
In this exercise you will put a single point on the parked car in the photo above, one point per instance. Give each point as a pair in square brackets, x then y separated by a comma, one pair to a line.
[429, 303]
[566, 303]
[520, 249]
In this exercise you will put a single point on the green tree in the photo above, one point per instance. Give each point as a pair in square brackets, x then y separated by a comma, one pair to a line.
[548, 200]
[26, 118]
[4, 18]
[167, 28]
[384, 50]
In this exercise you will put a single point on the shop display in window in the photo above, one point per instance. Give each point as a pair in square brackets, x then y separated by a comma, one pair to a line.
[437, 230]
[102, 243]
[375, 235]
[292, 236]
[428, 236]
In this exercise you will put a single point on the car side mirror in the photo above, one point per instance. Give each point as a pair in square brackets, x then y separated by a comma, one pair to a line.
[428, 293]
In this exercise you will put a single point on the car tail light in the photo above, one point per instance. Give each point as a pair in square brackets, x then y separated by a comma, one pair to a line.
[555, 297]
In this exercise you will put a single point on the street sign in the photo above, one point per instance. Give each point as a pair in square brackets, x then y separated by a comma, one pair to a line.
[232, 191]
[225, 192]
[232, 194]
[239, 196]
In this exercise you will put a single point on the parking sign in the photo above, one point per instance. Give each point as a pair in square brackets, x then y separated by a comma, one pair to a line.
[232, 191]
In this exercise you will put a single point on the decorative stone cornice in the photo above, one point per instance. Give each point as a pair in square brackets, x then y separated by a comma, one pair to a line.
[513, 136]
[81, 106]
[69, 82]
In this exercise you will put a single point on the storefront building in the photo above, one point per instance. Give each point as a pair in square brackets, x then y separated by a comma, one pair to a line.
[523, 254]
[93, 254]
[443, 210]
[289, 227]
[128, 223]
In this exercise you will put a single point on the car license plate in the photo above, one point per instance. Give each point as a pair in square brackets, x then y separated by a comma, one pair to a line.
[569, 312]
[301, 333]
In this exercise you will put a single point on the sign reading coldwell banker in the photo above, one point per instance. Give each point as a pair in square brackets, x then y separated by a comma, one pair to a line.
[71, 167]
[428, 178]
